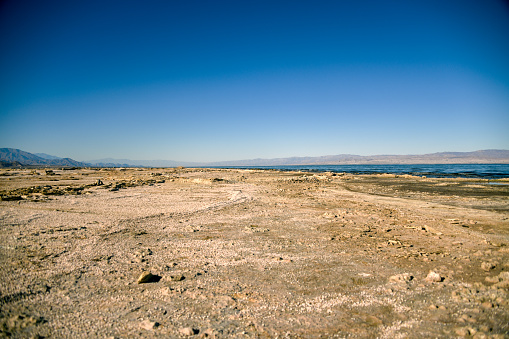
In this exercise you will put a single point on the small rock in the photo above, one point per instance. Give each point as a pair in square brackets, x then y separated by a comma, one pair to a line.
[403, 277]
[178, 277]
[373, 321]
[485, 328]
[208, 333]
[148, 325]
[504, 284]
[188, 331]
[462, 331]
[487, 266]
[504, 275]
[433, 277]
[487, 304]
[492, 279]
[146, 277]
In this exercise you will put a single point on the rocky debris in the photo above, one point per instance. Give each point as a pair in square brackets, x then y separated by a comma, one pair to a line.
[144, 252]
[48, 190]
[19, 322]
[75, 258]
[11, 197]
[500, 281]
[256, 229]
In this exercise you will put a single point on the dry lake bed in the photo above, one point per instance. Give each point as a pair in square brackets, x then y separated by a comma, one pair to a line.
[218, 253]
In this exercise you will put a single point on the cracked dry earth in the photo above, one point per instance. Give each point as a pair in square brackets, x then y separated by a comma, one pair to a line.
[251, 254]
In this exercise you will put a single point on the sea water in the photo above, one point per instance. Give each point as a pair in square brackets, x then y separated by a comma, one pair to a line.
[485, 171]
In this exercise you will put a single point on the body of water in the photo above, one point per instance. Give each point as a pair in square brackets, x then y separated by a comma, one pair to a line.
[485, 171]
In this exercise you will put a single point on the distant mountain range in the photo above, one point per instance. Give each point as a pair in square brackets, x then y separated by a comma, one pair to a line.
[10, 157]
[110, 162]
[477, 157]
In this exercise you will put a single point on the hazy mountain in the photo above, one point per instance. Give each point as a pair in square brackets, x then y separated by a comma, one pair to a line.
[13, 156]
[25, 158]
[47, 156]
[477, 157]
[111, 162]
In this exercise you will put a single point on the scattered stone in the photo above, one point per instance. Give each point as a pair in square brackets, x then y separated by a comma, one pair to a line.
[504, 276]
[487, 304]
[504, 284]
[178, 277]
[21, 321]
[462, 331]
[208, 333]
[188, 331]
[403, 277]
[149, 325]
[487, 266]
[147, 277]
[371, 320]
[434, 277]
[11, 197]
[492, 279]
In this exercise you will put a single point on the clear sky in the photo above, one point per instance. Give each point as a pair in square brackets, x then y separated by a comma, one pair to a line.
[230, 80]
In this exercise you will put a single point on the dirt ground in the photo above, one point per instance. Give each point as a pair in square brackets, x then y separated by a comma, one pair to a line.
[251, 254]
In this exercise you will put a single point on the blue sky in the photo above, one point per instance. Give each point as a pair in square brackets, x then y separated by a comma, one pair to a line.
[230, 80]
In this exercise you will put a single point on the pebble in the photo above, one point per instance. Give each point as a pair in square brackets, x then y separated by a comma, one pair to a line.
[403, 277]
[462, 331]
[148, 325]
[492, 279]
[178, 277]
[208, 333]
[433, 277]
[487, 304]
[487, 266]
[188, 331]
[504, 275]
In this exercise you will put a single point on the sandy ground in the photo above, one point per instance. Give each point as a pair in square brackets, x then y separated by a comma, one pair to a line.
[251, 254]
